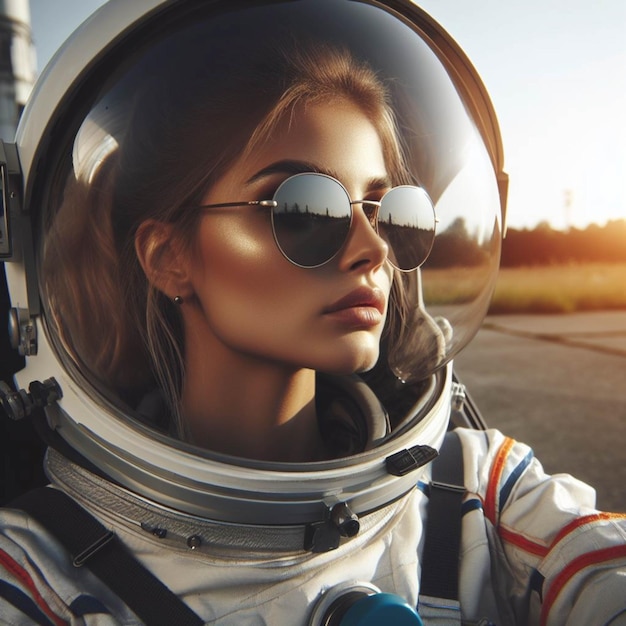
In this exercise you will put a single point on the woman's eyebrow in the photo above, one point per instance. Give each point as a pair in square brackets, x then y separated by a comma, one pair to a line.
[292, 167]
[287, 166]
[379, 184]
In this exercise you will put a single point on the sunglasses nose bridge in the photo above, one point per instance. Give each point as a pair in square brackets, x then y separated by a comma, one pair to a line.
[370, 209]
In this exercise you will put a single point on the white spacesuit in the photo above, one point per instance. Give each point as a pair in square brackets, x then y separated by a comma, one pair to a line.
[124, 117]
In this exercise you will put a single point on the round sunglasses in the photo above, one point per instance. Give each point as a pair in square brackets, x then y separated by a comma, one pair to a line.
[312, 217]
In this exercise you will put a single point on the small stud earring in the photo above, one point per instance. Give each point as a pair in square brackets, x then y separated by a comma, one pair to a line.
[178, 300]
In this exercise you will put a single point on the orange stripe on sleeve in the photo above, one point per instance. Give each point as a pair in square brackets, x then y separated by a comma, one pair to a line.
[23, 576]
[587, 519]
[542, 550]
[491, 497]
[522, 542]
[578, 564]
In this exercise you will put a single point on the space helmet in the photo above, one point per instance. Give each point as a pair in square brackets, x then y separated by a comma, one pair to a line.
[147, 104]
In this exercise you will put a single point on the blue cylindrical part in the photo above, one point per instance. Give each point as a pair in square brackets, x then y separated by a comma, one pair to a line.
[381, 608]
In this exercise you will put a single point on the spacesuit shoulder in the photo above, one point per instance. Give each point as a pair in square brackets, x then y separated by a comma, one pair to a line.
[562, 556]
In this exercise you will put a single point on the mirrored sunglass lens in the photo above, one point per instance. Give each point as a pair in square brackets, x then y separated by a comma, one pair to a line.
[312, 218]
[406, 221]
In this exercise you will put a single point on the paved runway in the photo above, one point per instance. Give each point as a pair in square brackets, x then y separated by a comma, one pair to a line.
[558, 383]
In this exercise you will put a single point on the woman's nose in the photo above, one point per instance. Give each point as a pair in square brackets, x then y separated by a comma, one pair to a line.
[364, 248]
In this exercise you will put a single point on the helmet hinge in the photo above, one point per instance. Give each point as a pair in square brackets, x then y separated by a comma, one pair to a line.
[22, 332]
[19, 404]
[326, 535]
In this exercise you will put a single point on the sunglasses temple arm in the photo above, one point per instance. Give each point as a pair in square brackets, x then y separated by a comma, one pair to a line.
[270, 204]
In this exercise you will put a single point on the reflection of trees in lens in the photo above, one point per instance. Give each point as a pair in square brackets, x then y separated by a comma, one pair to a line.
[294, 207]
[409, 223]
[314, 215]
[310, 238]
[410, 244]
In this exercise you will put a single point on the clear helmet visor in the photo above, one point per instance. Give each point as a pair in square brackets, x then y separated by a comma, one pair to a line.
[166, 111]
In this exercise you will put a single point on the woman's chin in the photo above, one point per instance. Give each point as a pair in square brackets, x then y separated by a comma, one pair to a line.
[353, 362]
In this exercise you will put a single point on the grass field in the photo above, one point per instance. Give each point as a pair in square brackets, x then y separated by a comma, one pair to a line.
[560, 289]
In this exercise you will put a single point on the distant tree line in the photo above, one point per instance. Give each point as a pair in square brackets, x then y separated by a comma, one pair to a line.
[457, 247]
[546, 246]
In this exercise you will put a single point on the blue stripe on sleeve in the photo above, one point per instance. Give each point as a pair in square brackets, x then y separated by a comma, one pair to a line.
[88, 605]
[473, 504]
[505, 492]
[536, 583]
[24, 603]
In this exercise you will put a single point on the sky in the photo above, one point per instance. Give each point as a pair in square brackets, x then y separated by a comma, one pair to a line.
[556, 73]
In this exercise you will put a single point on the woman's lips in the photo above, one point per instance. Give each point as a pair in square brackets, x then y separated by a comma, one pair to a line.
[364, 307]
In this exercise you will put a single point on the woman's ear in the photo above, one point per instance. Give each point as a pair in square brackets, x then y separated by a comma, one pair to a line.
[164, 259]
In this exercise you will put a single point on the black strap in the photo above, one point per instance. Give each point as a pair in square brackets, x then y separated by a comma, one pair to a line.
[95, 547]
[440, 559]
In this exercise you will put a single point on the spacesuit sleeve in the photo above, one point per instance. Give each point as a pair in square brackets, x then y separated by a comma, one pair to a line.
[39, 584]
[557, 559]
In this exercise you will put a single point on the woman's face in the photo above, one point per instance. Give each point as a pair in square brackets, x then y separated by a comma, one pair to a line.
[249, 300]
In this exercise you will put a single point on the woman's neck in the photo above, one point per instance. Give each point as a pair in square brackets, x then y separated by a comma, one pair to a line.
[241, 405]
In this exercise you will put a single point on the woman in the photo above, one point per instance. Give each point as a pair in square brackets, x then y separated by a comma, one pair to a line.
[248, 388]
[266, 323]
